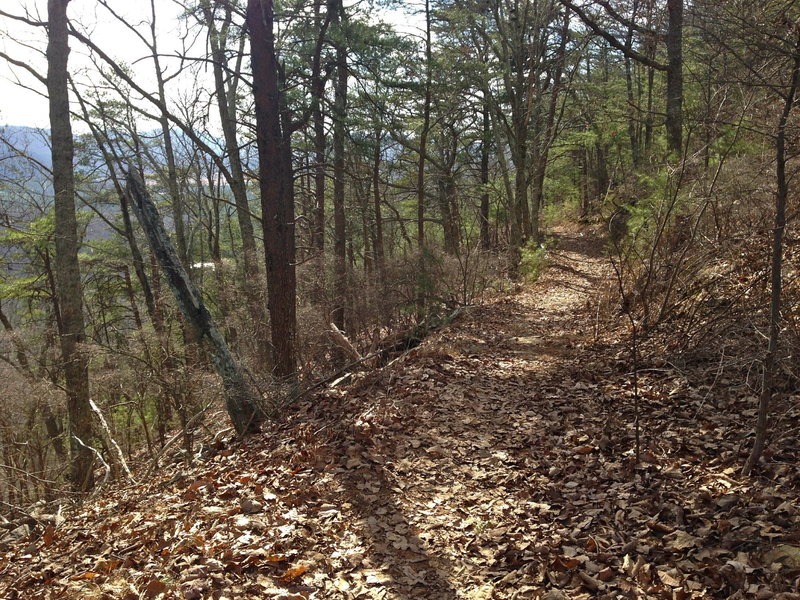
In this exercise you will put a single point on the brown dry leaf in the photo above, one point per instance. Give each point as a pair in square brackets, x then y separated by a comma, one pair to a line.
[785, 554]
[154, 587]
[48, 535]
[589, 582]
[373, 576]
[86, 575]
[606, 574]
[670, 578]
[679, 540]
[249, 506]
[293, 573]
[196, 485]
[660, 527]
[108, 565]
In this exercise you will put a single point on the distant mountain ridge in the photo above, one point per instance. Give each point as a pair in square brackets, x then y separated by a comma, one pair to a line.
[20, 143]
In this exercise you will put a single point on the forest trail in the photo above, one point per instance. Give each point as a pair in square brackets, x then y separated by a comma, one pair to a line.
[492, 462]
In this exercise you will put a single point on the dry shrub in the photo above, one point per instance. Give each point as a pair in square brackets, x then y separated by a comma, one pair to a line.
[695, 266]
[380, 304]
[29, 467]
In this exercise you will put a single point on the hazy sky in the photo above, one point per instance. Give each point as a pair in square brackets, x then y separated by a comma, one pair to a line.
[21, 106]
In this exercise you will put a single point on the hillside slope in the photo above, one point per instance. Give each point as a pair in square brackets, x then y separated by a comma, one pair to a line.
[494, 461]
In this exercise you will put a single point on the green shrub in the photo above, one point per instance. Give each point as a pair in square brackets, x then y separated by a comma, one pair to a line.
[533, 259]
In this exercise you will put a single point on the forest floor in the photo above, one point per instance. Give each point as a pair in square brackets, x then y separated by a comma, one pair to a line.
[494, 461]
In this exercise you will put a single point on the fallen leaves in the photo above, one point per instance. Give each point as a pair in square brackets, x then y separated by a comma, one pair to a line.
[784, 554]
[680, 540]
[499, 469]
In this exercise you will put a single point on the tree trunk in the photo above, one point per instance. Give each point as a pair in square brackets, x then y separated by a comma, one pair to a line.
[770, 361]
[484, 210]
[632, 112]
[318, 121]
[169, 153]
[674, 75]
[277, 195]
[422, 280]
[376, 195]
[449, 209]
[339, 222]
[423, 136]
[241, 400]
[226, 105]
[69, 292]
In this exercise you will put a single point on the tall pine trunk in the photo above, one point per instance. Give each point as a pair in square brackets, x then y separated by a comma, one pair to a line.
[277, 196]
[226, 106]
[339, 221]
[484, 210]
[674, 75]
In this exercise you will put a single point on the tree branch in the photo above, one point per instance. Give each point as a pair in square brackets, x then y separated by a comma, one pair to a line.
[629, 52]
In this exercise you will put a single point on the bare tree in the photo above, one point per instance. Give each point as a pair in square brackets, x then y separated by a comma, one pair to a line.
[70, 294]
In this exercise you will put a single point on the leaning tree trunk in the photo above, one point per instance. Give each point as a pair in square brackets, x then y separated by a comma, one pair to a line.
[68, 276]
[241, 400]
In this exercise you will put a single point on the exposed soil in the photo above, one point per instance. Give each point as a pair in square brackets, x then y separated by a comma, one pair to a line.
[496, 460]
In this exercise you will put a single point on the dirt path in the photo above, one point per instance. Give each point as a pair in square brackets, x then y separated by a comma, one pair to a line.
[483, 410]
[492, 462]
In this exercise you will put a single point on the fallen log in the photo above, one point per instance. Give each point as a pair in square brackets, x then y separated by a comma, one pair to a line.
[340, 340]
[413, 337]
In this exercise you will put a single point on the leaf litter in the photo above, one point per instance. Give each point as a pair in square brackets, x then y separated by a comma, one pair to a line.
[494, 461]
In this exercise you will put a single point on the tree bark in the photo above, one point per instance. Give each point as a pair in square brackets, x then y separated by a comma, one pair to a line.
[339, 221]
[484, 210]
[548, 135]
[422, 277]
[674, 75]
[169, 152]
[632, 113]
[68, 276]
[276, 184]
[226, 106]
[376, 196]
[318, 121]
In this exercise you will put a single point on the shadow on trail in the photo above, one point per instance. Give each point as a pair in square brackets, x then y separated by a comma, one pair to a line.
[577, 243]
[441, 490]
[389, 534]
